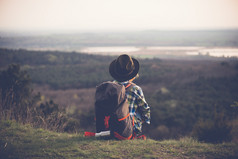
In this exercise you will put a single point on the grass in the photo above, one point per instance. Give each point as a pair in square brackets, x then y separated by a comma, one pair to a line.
[23, 141]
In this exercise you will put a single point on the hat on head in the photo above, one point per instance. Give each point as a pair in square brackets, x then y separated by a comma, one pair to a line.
[124, 68]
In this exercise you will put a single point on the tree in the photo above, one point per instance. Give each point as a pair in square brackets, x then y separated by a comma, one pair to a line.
[15, 93]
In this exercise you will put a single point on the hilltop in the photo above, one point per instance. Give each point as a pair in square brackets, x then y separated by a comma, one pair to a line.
[196, 97]
[23, 141]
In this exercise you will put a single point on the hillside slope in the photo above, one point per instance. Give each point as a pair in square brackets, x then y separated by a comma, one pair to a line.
[20, 141]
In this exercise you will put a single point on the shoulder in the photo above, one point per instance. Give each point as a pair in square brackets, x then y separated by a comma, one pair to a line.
[136, 89]
[134, 86]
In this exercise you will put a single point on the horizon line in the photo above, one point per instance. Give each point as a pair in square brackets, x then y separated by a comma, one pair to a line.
[70, 31]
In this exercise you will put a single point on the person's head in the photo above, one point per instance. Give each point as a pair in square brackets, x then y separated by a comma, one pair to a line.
[124, 68]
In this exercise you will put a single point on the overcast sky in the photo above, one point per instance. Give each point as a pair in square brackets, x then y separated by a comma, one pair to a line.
[85, 15]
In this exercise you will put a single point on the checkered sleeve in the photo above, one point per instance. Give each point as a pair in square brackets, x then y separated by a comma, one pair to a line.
[143, 107]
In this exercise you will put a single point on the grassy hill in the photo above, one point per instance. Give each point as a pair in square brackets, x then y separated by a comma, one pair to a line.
[187, 97]
[23, 141]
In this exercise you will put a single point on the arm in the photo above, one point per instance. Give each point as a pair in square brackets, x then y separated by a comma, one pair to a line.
[143, 107]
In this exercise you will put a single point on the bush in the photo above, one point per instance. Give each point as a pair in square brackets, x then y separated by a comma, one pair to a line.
[161, 132]
[18, 103]
[234, 131]
[72, 125]
[15, 93]
[49, 116]
[213, 131]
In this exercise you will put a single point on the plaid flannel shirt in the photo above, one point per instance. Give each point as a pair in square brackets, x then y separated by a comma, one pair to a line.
[138, 107]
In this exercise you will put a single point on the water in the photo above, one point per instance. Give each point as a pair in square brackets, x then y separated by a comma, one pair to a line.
[218, 52]
[160, 50]
[110, 49]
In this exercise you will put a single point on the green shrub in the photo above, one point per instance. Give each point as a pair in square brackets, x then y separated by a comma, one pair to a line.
[17, 102]
[15, 93]
[214, 131]
[72, 125]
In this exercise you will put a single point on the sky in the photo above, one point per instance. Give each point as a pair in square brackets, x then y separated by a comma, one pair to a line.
[86, 15]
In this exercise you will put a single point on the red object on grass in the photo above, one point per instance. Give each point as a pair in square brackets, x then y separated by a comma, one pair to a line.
[92, 134]
[88, 134]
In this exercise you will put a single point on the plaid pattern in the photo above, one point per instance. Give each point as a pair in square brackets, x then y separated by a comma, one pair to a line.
[138, 107]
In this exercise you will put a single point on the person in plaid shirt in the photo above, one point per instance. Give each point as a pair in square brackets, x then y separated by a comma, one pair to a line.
[125, 70]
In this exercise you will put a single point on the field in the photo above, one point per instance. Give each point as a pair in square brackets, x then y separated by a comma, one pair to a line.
[175, 72]
[18, 141]
[193, 104]
[180, 92]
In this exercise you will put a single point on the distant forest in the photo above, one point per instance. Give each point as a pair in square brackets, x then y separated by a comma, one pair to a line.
[187, 97]
[76, 41]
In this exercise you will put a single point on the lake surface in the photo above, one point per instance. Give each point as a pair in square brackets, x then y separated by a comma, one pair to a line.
[160, 50]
